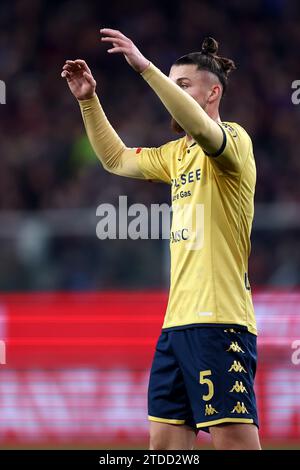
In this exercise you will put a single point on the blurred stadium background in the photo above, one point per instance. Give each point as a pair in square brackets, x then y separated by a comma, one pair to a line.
[80, 317]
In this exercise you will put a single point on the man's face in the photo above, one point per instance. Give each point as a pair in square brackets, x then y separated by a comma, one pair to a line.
[197, 83]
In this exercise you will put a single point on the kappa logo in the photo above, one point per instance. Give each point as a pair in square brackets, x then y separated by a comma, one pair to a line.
[240, 408]
[209, 410]
[235, 347]
[237, 367]
[231, 330]
[230, 129]
[238, 387]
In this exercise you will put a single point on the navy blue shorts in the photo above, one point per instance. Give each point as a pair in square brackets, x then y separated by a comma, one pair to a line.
[203, 376]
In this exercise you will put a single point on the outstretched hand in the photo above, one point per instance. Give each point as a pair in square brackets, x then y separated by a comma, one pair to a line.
[122, 44]
[80, 79]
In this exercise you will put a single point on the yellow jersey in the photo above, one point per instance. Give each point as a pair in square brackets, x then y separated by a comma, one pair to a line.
[213, 208]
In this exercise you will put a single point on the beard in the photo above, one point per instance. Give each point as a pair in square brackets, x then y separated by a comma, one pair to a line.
[176, 128]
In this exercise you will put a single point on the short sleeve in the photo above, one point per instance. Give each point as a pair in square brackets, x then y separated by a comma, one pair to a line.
[234, 151]
[154, 163]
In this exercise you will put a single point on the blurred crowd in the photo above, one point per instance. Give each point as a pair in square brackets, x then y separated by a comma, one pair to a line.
[47, 163]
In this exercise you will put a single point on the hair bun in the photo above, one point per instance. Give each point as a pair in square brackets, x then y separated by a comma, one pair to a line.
[209, 46]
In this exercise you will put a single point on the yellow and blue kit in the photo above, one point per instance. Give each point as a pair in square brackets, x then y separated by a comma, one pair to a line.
[205, 360]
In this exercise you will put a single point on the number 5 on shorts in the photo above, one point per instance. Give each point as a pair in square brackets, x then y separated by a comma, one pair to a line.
[208, 382]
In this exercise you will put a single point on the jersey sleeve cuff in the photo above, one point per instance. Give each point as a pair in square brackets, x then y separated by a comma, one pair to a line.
[89, 102]
[222, 148]
[149, 71]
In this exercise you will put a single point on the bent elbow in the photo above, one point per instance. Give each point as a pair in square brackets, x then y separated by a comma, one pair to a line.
[110, 168]
[107, 167]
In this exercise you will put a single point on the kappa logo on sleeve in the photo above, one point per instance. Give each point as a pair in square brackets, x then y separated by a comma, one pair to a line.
[230, 129]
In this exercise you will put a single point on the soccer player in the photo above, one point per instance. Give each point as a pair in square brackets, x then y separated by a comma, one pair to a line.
[202, 376]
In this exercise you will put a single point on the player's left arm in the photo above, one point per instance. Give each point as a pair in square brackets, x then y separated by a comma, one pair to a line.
[184, 109]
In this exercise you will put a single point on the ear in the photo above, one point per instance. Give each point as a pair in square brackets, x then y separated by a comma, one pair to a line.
[215, 93]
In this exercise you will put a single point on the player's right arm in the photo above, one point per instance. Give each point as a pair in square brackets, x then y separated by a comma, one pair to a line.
[109, 148]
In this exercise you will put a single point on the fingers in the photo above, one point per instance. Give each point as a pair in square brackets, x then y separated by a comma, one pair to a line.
[82, 64]
[66, 74]
[73, 67]
[77, 65]
[71, 63]
[117, 49]
[120, 45]
[113, 32]
[115, 40]
[69, 68]
[89, 78]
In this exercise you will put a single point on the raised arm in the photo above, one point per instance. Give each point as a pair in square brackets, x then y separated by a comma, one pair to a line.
[110, 149]
[184, 109]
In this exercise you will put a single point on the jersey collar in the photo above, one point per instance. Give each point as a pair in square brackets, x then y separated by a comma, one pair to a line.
[189, 144]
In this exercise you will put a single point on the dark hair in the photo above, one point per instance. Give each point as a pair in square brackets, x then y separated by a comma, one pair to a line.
[208, 60]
